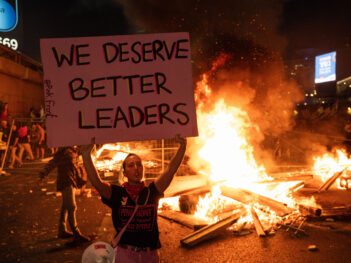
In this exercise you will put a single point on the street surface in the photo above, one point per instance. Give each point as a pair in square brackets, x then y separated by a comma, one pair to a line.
[28, 229]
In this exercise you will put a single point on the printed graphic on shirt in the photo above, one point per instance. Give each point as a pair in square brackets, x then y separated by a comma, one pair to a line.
[143, 220]
[124, 200]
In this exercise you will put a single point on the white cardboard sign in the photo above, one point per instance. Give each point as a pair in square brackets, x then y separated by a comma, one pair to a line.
[118, 88]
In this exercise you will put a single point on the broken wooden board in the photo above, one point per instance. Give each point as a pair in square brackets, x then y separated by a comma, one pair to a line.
[309, 210]
[187, 220]
[247, 197]
[287, 178]
[198, 190]
[257, 223]
[330, 181]
[209, 231]
[195, 190]
[297, 186]
[344, 210]
[183, 184]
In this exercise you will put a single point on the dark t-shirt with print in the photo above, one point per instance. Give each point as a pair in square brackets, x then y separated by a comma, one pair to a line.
[142, 231]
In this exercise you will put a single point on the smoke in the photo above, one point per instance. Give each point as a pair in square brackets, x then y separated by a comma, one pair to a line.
[253, 77]
[211, 25]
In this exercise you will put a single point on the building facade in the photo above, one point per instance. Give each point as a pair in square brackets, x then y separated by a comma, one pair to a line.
[21, 83]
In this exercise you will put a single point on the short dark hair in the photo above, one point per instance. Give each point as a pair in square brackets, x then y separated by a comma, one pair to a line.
[129, 155]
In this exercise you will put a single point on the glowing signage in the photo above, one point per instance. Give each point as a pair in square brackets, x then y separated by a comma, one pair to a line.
[10, 28]
[8, 15]
[325, 68]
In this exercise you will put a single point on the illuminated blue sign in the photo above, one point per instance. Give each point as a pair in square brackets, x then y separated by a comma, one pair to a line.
[325, 69]
[8, 15]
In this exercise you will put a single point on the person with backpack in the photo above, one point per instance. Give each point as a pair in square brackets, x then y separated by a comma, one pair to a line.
[70, 177]
[23, 141]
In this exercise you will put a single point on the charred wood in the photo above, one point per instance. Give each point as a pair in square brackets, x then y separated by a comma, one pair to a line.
[247, 197]
[330, 181]
[257, 223]
[189, 221]
[210, 231]
[311, 211]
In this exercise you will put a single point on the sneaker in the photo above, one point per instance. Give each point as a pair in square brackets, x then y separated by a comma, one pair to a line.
[65, 234]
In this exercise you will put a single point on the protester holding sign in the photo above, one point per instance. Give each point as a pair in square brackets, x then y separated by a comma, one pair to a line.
[134, 205]
[118, 88]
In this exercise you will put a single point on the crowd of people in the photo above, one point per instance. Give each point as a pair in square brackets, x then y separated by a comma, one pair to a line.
[25, 142]
[24, 139]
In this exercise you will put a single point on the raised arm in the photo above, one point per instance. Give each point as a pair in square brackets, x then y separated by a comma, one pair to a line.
[164, 180]
[101, 186]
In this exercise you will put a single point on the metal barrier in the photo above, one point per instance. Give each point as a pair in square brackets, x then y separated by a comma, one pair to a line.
[5, 147]
[156, 154]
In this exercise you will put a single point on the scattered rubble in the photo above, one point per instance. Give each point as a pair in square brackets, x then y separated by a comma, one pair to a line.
[295, 221]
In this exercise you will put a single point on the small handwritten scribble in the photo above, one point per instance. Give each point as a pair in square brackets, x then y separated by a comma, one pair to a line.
[49, 102]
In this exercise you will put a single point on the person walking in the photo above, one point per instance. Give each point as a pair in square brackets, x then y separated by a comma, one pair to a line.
[38, 140]
[68, 180]
[23, 141]
[13, 149]
[134, 205]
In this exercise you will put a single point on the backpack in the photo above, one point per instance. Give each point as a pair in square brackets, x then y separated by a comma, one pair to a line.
[22, 131]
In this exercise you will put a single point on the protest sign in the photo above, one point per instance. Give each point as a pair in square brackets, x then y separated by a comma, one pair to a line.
[118, 88]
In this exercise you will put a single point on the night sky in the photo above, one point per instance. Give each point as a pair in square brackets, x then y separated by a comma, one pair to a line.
[255, 34]
[288, 26]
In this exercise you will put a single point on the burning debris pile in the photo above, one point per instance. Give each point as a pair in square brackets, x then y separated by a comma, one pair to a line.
[215, 207]
[245, 106]
[241, 195]
[239, 188]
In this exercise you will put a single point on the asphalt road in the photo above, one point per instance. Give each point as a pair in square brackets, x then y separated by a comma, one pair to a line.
[28, 228]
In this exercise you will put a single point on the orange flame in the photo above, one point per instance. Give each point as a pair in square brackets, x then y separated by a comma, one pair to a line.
[328, 164]
[224, 148]
[115, 160]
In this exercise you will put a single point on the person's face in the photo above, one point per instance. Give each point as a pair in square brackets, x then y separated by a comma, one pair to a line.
[133, 169]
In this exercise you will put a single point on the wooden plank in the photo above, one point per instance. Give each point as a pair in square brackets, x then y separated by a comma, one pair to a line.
[297, 186]
[330, 181]
[248, 197]
[187, 220]
[195, 190]
[209, 231]
[183, 184]
[257, 223]
[198, 190]
[336, 211]
[304, 177]
[309, 210]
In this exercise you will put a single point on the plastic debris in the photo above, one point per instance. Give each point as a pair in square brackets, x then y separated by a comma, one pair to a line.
[312, 248]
